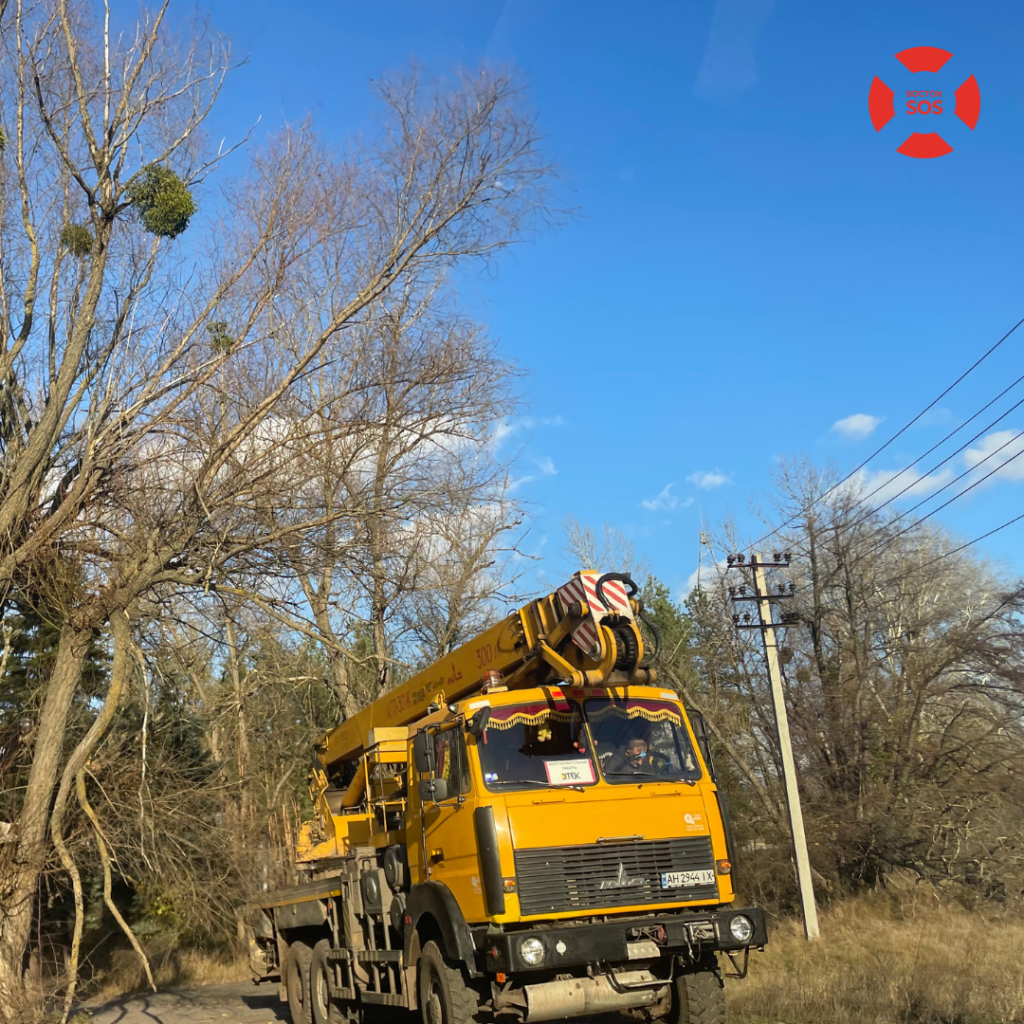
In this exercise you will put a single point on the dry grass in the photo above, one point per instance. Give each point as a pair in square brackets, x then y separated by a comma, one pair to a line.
[879, 961]
[172, 968]
[886, 961]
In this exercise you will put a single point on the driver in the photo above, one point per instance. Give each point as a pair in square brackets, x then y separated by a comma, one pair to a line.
[633, 755]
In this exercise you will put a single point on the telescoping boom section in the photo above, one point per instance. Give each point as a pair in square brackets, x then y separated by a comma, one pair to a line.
[585, 633]
[529, 829]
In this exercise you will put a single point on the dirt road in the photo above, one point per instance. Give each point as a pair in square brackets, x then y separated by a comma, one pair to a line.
[240, 1002]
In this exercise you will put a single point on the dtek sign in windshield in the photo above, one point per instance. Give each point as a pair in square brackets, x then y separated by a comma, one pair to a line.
[928, 98]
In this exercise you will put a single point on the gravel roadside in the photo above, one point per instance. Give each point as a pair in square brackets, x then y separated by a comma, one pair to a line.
[239, 1002]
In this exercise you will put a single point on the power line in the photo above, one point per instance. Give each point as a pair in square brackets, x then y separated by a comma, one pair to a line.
[959, 477]
[899, 494]
[886, 541]
[931, 405]
[956, 550]
[971, 543]
[939, 444]
[872, 512]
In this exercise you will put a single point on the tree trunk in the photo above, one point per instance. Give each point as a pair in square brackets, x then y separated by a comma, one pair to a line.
[342, 684]
[378, 612]
[19, 889]
[242, 740]
[119, 671]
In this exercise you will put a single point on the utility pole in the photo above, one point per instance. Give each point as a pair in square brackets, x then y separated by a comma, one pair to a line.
[766, 624]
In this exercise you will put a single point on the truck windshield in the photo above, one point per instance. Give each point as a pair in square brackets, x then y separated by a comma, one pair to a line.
[537, 744]
[638, 739]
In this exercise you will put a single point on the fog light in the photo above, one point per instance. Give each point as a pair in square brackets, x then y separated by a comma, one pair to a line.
[531, 951]
[742, 928]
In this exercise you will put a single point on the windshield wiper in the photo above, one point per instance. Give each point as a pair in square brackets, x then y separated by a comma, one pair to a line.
[652, 775]
[531, 782]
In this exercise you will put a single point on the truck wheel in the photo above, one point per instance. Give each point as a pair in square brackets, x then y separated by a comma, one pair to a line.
[699, 995]
[297, 980]
[325, 1011]
[445, 998]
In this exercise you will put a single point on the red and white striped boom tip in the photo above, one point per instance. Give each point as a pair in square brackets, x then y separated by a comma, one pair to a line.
[583, 587]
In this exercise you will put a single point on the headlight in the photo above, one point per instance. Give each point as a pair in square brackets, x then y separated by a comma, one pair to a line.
[742, 928]
[532, 952]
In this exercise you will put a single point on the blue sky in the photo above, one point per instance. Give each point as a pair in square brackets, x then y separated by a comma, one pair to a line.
[752, 263]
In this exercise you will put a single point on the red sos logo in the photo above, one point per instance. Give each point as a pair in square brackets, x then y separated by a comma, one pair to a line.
[966, 102]
[932, 105]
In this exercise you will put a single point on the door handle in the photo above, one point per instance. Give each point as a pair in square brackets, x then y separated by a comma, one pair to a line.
[436, 856]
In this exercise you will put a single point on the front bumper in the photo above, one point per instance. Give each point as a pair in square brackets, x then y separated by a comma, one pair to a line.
[618, 941]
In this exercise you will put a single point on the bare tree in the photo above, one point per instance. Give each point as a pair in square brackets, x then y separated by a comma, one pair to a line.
[141, 413]
[905, 684]
[403, 470]
[81, 105]
[470, 568]
[608, 550]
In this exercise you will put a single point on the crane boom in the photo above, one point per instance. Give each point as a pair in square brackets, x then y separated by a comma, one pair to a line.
[500, 648]
[562, 632]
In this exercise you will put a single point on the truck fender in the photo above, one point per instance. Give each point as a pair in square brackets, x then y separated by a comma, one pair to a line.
[437, 901]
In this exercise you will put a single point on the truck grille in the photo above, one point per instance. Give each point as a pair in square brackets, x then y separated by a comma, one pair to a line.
[559, 878]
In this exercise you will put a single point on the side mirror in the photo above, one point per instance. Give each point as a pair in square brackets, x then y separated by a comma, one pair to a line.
[476, 725]
[433, 789]
[423, 753]
[700, 731]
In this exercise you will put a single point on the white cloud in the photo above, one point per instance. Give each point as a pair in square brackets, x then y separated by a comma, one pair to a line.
[885, 484]
[707, 481]
[506, 428]
[665, 500]
[546, 466]
[1002, 446]
[516, 482]
[706, 575]
[858, 426]
[502, 430]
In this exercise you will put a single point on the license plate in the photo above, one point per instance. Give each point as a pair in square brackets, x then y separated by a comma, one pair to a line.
[686, 879]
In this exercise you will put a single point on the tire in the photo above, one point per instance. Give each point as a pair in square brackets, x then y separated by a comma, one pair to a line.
[444, 995]
[324, 1010]
[698, 995]
[297, 981]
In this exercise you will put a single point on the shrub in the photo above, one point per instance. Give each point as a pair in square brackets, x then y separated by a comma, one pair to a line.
[161, 200]
[220, 339]
[77, 239]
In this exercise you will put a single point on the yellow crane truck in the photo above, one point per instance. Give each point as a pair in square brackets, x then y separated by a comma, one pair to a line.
[528, 829]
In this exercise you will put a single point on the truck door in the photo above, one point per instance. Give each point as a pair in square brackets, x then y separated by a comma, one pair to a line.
[449, 838]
